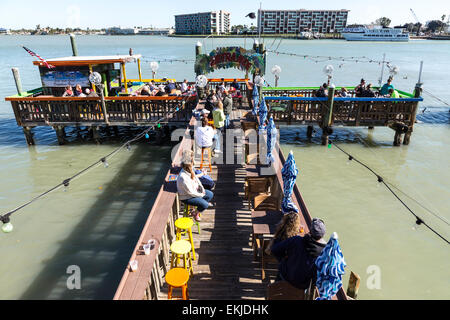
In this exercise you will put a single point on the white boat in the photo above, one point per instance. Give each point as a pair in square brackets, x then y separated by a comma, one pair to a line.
[375, 34]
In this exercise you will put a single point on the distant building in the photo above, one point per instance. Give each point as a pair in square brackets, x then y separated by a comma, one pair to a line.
[4, 31]
[215, 22]
[296, 21]
[156, 31]
[120, 31]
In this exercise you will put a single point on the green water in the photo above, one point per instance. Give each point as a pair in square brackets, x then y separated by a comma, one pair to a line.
[95, 223]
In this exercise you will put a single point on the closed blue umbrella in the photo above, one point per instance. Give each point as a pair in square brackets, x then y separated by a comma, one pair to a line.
[330, 268]
[271, 140]
[289, 173]
[262, 114]
[255, 96]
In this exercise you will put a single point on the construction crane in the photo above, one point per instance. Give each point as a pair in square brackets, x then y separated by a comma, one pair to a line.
[419, 25]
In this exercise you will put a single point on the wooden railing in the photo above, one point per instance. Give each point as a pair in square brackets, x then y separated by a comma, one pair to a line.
[146, 282]
[349, 111]
[46, 110]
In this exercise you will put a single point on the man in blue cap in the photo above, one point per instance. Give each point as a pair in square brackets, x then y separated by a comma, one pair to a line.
[297, 255]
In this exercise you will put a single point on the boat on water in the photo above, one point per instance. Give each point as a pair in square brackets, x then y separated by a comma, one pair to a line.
[376, 33]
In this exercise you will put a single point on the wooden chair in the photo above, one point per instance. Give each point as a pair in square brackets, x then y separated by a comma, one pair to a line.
[266, 201]
[256, 186]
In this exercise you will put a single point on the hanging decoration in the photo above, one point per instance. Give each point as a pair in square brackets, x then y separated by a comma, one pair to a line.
[231, 57]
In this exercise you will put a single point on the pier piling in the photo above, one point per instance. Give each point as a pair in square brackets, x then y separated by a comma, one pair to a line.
[60, 134]
[17, 80]
[28, 135]
[327, 116]
[74, 45]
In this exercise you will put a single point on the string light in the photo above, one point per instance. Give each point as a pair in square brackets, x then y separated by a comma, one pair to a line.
[8, 227]
[147, 136]
[105, 163]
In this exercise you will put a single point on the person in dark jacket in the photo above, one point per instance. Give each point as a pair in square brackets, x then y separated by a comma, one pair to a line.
[298, 255]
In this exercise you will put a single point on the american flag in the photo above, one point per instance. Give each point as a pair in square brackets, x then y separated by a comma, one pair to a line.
[37, 56]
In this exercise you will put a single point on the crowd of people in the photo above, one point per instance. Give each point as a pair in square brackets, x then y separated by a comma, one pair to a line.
[362, 90]
[78, 92]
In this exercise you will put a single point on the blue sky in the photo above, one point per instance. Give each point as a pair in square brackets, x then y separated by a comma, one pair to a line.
[129, 13]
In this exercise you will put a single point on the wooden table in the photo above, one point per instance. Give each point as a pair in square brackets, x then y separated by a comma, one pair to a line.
[264, 224]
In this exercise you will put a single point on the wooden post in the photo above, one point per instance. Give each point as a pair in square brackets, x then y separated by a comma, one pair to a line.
[74, 45]
[353, 285]
[60, 134]
[95, 134]
[139, 69]
[415, 107]
[309, 131]
[16, 75]
[28, 135]
[327, 116]
[124, 74]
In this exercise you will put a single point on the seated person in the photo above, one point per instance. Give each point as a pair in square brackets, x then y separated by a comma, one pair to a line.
[144, 91]
[190, 190]
[323, 91]
[384, 91]
[235, 85]
[343, 93]
[78, 91]
[160, 91]
[68, 91]
[288, 227]
[360, 88]
[204, 135]
[367, 92]
[393, 93]
[171, 88]
[298, 256]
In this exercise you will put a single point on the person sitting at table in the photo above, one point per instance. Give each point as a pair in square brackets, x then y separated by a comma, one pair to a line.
[359, 89]
[392, 93]
[144, 91]
[78, 91]
[235, 85]
[190, 189]
[385, 88]
[367, 92]
[288, 227]
[68, 91]
[171, 88]
[343, 93]
[160, 91]
[297, 255]
[323, 91]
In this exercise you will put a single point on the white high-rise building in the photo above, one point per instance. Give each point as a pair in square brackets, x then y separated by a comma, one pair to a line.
[214, 22]
[296, 21]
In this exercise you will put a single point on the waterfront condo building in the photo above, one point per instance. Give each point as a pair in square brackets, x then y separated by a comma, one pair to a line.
[214, 22]
[295, 21]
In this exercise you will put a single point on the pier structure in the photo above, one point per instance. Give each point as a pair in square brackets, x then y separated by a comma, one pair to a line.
[230, 244]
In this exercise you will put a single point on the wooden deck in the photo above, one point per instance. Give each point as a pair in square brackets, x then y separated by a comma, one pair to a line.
[224, 268]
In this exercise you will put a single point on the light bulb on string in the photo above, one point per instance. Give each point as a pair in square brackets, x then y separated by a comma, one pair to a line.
[7, 226]
[128, 147]
[416, 224]
[380, 181]
[350, 158]
[66, 184]
[105, 163]
[147, 136]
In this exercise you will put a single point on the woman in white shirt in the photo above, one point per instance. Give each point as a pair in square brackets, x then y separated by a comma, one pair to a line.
[204, 135]
[191, 191]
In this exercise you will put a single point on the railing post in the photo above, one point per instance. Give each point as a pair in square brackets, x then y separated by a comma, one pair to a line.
[414, 108]
[74, 45]
[28, 135]
[16, 75]
[327, 116]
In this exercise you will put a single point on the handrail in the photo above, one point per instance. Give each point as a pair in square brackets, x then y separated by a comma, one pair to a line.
[51, 98]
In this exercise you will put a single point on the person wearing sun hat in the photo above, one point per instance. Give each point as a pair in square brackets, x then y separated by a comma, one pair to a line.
[297, 255]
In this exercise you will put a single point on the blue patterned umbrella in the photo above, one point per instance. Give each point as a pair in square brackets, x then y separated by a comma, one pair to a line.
[271, 140]
[289, 173]
[262, 114]
[330, 268]
[255, 99]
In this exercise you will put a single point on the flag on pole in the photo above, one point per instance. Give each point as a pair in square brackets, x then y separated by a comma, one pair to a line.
[39, 57]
